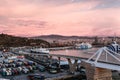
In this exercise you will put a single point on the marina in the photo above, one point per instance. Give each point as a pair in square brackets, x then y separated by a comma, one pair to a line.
[57, 63]
[59, 40]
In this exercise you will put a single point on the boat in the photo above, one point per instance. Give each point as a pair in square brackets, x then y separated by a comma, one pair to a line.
[83, 46]
[114, 46]
[40, 50]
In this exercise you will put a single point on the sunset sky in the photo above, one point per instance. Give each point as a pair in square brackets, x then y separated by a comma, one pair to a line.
[64, 17]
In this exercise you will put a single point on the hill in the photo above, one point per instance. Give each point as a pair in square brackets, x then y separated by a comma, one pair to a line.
[13, 41]
[53, 37]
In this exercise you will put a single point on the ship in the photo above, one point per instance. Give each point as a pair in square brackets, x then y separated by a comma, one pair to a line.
[114, 46]
[40, 50]
[83, 46]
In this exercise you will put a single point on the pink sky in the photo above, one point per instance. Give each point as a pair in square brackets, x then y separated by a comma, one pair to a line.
[64, 17]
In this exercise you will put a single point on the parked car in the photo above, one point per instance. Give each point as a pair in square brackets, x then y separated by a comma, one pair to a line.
[25, 70]
[53, 71]
[5, 61]
[30, 63]
[20, 68]
[30, 68]
[82, 70]
[41, 68]
[36, 77]
[13, 64]
[3, 72]
[16, 72]
[6, 71]
[34, 67]
[13, 73]
[9, 71]
[26, 63]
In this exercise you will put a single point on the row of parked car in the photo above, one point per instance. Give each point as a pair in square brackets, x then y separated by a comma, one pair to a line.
[51, 68]
[36, 77]
[16, 66]
[26, 67]
[17, 71]
[17, 63]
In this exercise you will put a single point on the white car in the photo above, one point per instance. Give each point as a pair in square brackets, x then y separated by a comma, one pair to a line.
[25, 70]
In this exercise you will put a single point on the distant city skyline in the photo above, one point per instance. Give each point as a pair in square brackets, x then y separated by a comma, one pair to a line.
[61, 17]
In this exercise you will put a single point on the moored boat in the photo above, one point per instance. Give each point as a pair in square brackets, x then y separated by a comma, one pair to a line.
[83, 46]
[40, 50]
[114, 46]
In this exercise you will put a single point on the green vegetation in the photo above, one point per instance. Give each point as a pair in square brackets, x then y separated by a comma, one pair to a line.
[12, 41]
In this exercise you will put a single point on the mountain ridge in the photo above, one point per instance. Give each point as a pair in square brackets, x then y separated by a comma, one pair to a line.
[60, 36]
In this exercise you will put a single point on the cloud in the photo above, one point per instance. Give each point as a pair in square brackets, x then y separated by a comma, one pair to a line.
[22, 22]
[108, 4]
[21, 27]
[66, 17]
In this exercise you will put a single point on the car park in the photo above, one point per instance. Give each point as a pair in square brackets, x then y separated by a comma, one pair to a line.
[12, 65]
[15, 68]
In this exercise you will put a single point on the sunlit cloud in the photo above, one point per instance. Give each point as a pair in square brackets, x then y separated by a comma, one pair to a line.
[65, 17]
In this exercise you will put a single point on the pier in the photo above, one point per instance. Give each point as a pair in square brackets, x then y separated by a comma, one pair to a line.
[61, 48]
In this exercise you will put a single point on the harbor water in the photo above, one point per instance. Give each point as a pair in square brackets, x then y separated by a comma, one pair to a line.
[80, 53]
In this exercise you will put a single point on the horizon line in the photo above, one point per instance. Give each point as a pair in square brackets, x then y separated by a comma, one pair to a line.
[63, 35]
